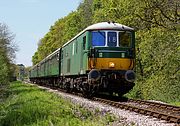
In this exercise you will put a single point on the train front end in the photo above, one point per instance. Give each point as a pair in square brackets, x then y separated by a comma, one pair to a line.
[111, 58]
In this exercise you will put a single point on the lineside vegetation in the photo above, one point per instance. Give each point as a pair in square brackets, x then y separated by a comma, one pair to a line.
[24, 104]
[7, 55]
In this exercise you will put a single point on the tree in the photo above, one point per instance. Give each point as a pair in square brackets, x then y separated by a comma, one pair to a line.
[86, 13]
[163, 13]
[160, 58]
[7, 53]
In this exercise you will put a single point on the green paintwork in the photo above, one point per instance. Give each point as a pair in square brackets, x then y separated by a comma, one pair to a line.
[52, 65]
[34, 72]
[48, 67]
[74, 56]
[113, 52]
[41, 69]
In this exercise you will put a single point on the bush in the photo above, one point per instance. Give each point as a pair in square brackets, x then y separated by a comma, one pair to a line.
[159, 52]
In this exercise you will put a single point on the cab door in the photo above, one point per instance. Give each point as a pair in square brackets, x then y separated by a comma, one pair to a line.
[84, 53]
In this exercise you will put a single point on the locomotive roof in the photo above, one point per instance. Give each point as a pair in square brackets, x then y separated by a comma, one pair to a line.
[103, 26]
[108, 26]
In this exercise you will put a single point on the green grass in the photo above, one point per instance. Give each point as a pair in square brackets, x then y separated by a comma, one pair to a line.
[175, 103]
[26, 105]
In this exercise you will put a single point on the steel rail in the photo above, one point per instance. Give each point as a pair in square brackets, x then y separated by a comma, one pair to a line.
[169, 117]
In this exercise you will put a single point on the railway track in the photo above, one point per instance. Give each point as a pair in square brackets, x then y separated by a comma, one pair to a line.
[158, 110]
[161, 111]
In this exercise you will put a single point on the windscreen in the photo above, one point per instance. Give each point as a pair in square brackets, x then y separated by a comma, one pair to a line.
[111, 38]
[98, 38]
[124, 39]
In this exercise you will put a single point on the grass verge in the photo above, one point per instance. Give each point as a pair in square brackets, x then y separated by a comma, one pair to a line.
[28, 105]
[175, 103]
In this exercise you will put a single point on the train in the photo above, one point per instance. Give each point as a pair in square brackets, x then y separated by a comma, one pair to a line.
[101, 58]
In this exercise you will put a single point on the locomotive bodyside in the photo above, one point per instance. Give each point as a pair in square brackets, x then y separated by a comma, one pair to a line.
[74, 58]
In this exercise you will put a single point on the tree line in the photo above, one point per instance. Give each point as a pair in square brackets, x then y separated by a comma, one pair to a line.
[157, 24]
[7, 54]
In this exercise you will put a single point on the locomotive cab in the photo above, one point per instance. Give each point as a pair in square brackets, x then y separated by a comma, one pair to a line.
[111, 58]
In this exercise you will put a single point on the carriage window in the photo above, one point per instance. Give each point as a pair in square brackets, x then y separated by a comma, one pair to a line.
[124, 39]
[112, 39]
[98, 38]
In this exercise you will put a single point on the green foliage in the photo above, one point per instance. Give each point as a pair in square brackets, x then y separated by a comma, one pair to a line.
[29, 105]
[7, 54]
[3, 71]
[160, 59]
[163, 13]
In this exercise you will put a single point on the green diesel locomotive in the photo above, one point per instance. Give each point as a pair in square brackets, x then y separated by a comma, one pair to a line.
[101, 58]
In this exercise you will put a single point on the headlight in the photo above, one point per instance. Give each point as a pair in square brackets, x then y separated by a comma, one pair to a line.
[111, 65]
[130, 76]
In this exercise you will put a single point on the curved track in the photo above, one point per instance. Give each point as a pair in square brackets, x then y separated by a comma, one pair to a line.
[158, 110]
